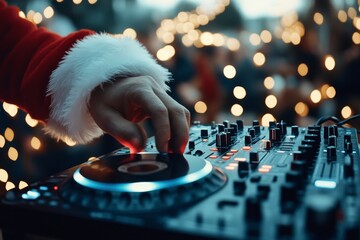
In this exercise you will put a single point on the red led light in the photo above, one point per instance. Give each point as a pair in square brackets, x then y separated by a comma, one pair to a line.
[213, 156]
[246, 148]
[214, 149]
[56, 188]
[226, 157]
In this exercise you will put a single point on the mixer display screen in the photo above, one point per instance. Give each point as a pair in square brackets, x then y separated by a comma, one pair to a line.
[232, 182]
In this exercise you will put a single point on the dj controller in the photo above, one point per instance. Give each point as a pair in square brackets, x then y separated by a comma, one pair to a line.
[232, 182]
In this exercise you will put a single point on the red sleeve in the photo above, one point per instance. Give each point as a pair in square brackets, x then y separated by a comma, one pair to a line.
[28, 56]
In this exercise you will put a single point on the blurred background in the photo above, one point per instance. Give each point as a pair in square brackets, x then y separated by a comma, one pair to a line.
[288, 60]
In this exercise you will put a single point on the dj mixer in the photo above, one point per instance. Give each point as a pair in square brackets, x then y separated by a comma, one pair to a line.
[232, 182]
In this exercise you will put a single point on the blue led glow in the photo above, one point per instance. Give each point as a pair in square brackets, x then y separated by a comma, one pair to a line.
[142, 186]
[325, 184]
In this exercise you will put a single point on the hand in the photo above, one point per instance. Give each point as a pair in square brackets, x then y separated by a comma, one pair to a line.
[118, 106]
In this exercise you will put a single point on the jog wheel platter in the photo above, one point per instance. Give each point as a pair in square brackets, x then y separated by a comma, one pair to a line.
[142, 182]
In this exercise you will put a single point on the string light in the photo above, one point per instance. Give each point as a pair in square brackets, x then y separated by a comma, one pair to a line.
[3, 175]
[13, 154]
[35, 143]
[9, 186]
[9, 134]
[2, 141]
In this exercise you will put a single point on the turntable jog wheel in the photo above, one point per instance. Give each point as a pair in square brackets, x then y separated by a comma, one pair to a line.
[142, 182]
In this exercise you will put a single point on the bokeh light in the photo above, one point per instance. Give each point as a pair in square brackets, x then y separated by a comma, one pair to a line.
[315, 96]
[266, 119]
[259, 59]
[302, 109]
[200, 107]
[237, 110]
[229, 71]
[303, 69]
[269, 83]
[271, 101]
[239, 92]
[13, 154]
[329, 62]
[346, 112]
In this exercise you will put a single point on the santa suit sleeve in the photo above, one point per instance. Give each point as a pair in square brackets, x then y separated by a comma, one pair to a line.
[51, 77]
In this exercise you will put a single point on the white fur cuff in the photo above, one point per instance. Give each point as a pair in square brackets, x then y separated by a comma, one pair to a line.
[91, 62]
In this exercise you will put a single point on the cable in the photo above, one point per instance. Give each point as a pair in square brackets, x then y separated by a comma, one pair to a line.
[337, 121]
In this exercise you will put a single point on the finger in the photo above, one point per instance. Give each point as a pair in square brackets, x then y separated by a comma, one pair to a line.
[158, 113]
[179, 122]
[127, 133]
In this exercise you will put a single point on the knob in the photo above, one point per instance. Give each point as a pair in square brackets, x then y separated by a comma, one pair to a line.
[221, 140]
[239, 187]
[288, 192]
[204, 133]
[299, 166]
[191, 145]
[252, 132]
[247, 140]
[294, 177]
[326, 132]
[254, 157]
[333, 130]
[240, 124]
[295, 130]
[272, 124]
[243, 169]
[253, 209]
[331, 152]
[226, 123]
[274, 135]
[235, 127]
[267, 144]
[255, 122]
[332, 140]
[283, 128]
[321, 214]
[257, 130]
[221, 128]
